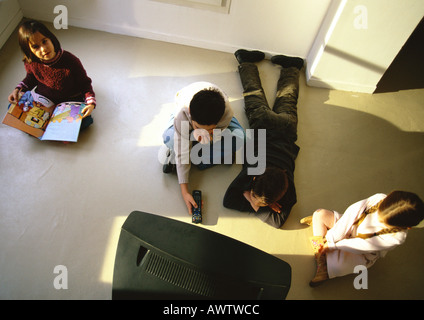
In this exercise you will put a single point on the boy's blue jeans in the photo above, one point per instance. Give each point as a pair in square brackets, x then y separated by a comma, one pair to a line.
[237, 136]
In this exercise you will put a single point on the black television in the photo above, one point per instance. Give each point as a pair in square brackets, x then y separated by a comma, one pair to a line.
[163, 258]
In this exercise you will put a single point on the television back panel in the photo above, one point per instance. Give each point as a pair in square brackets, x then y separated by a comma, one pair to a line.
[162, 258]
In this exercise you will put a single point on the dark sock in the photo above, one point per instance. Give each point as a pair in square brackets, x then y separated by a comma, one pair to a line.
[86, 122]
[243, 55]
[287, 62]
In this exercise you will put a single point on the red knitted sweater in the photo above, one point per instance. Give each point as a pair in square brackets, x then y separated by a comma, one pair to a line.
[62, 79]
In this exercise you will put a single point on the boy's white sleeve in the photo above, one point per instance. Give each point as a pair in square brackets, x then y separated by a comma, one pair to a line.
[182, 147]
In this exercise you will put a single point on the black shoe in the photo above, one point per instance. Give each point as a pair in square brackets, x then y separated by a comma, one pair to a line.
[86, 122]
[169, 166]
[249, 56]
[287, 62]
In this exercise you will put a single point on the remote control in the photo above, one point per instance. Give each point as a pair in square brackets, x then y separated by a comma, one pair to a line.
[197, 212]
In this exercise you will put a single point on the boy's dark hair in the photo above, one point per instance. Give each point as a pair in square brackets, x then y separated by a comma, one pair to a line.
[26, 30]
[270, 186]
[207, 107]
[401, 209]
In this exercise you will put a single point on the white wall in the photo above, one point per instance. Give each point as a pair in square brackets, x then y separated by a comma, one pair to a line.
[10, 16]
[339, 55]
[359, 40]
[274, 26]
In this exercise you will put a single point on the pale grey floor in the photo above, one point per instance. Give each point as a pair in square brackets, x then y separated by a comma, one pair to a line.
[64, 204]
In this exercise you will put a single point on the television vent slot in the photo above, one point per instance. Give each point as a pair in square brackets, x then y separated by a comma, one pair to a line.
[181, 276]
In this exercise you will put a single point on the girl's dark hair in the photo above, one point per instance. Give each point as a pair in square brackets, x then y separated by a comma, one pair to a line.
[401, 209]
[271, 185]
[26, 30]
[207, 107]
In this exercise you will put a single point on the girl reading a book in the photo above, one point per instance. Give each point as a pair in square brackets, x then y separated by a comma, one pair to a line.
[55, 73]
[365, 232]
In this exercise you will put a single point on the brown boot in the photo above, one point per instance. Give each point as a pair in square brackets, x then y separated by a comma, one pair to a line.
[321, 274]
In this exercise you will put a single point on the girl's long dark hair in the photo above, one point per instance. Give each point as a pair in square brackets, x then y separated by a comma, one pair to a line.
[401, 209]
[26, 30]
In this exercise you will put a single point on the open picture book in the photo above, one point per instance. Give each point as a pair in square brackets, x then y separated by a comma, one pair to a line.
[41, 118]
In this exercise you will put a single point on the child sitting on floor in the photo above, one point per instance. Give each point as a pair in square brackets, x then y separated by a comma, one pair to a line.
[54, 73]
